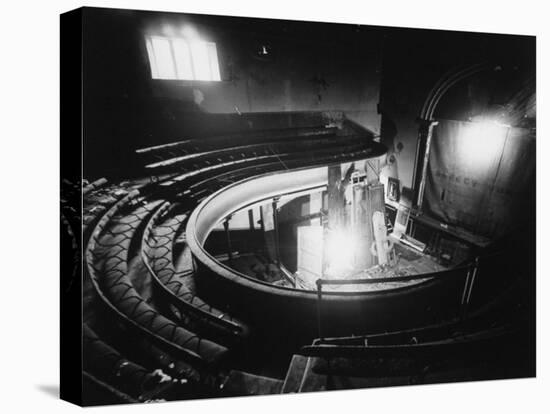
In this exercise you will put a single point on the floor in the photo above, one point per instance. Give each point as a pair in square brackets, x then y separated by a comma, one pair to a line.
[408, 262]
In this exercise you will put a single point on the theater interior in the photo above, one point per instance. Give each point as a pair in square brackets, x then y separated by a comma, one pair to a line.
[275, 207]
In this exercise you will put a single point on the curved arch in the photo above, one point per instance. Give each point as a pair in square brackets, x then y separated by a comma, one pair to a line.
[427, 122]
[447, 81]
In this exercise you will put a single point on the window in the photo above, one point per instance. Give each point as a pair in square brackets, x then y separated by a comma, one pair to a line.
[183, 59]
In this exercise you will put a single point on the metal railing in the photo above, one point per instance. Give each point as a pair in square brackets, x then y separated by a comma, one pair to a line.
[471, 271]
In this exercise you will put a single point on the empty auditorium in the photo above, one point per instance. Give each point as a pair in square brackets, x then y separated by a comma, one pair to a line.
[253, 206]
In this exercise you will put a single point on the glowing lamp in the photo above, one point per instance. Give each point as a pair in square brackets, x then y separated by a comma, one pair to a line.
[340, 249]
[481, 141]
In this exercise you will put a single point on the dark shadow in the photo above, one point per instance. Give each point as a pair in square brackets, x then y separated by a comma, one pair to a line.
[388, 131]
[49, 389]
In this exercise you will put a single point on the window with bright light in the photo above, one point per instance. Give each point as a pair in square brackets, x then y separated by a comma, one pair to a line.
[182, 59]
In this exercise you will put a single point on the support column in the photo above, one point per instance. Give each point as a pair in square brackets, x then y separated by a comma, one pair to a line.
[228, 239]
[422, 150]
[315, 206]
[251, 238]
[276, 228]
[335, 197]
[268, 230]
[335, 209]
[361, 223]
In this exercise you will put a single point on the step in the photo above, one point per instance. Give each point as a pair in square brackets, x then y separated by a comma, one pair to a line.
[311, 381]
[294, 374]
[240, 383]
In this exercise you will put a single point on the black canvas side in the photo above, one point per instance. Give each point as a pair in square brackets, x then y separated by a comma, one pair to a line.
[71, 206]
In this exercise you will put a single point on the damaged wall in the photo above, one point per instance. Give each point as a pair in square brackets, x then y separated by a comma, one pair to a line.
[414, 60]
[309, 67]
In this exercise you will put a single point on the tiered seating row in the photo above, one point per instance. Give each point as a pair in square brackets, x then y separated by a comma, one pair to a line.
[106, 261]
[157, 246]
[189, 339]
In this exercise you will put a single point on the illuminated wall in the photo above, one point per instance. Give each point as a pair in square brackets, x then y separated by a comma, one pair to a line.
[275, 66]
[414, 60]
[480, 176]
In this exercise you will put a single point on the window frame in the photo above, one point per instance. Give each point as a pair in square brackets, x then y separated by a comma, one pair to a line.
[211, 61]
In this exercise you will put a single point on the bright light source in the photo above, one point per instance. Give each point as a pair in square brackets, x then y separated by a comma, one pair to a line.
[481, 142]
[163, 56]
[213, 60]
[201, 62]
[181, 58]
[182, 55]
[340, 251]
